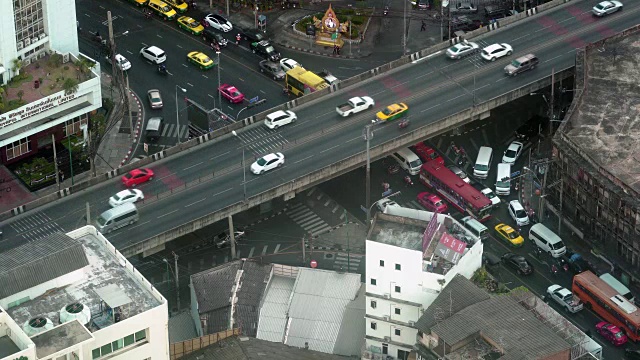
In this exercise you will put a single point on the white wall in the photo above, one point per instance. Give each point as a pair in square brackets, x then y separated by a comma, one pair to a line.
[7, 37]
[40, 289]
[386, 307]
[60, 24]
[9, 328]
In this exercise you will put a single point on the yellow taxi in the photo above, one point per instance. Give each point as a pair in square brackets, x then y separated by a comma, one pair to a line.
[200, 59]
[508, 233]
[393, 112]
[180, 5]
[139, 2]
[190, 24]
[162, 9]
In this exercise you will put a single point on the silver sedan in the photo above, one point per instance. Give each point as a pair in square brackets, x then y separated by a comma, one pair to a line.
[462, 49]
[606, 7]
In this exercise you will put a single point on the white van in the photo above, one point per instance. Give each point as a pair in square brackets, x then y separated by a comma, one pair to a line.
[618, 286]
[503, 179]
[408, 160]
[547, 240]
[475, 227]
[117, 217]
[483, 162]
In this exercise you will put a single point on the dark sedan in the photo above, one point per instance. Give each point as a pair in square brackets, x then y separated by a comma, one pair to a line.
[253, 35]
[271, 69]
[517, 263]
[211, 36]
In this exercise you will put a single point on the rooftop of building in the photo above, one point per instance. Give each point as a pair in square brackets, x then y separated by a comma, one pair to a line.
[59, 338]
[397, 231]
[108, 279]
[43, 77]
[246, 348]
[605, 124]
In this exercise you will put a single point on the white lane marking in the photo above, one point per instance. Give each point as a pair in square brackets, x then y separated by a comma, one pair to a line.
[190, 84]
[553, 58]
[161, 38]
[331, 148]
[459, 96]
[194, 165]
[168, 213]
[423, 75]
[307, 158]
[426, 57]
[193, 203]
[355, 138]
[205, 76]
[277, 249]
[184, 65]
[434, 106]
[129, 52]
[217, 156]
[211, 96]
[143, 44]
[222, 192]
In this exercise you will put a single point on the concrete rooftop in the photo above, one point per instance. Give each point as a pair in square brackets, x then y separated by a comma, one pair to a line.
[60, 338]
[105, 275]
[606, 124]
[398, 231]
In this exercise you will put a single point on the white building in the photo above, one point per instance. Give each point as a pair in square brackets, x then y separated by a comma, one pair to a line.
[75, 297]
[36, 107]
[403, 276]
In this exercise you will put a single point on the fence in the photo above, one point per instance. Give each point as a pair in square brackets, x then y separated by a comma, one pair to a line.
[180, 349]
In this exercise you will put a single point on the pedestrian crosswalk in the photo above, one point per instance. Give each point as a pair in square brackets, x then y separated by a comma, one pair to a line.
[174, 131]
[36, 226]
[307, 219]
[261, 140]
[347, 262]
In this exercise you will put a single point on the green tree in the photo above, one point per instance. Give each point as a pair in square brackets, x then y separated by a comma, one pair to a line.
[85, 65]
[20, 94]
[17, 65]
[70, 86]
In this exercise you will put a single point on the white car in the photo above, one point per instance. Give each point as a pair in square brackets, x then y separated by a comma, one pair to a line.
[491, 196]
[512, 153]
[287, 64]
[461, 174]
[382, 204]
[218, 22]
[606, 7]
[153, 54]
[462, 49]
[495, 51]
[121, 62]
[126, 196]
[279, 118]
[518, 213]
[267, 162]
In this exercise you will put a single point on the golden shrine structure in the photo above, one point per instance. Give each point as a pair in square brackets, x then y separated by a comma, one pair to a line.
[329, 30]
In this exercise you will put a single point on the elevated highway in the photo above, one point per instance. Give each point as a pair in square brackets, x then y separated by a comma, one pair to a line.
[203, 184]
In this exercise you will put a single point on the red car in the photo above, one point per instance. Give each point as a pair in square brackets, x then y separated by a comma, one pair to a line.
[137, 176]
[611, 333]
[231, 93]
[432, 202]
[427, 154]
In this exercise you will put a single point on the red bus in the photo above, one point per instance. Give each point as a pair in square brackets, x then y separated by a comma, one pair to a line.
[461, 195]
[612, 307]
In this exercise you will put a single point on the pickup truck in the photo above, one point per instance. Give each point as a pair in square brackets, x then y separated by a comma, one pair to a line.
[355, 105]
[565, 298]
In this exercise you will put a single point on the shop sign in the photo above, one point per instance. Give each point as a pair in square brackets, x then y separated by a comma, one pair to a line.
[33, 109]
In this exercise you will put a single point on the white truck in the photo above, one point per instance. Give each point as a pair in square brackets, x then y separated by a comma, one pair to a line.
[565, 298]
[355, 105]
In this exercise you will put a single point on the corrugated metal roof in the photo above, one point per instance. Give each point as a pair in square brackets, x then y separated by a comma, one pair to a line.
[316, 312]
[253, 282]
[353, 327]
[181, 327]
[273, 313]
[213, 287]
[39, 261]
[458, 294]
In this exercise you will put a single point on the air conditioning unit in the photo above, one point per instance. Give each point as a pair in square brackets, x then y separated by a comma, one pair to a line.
[412, 323]
[27, 61]
[386, 318]
[34, 40]
[387, 296]
[65, 58]
[20, 45]
[387, 338]
[42, 36]
[27, 42]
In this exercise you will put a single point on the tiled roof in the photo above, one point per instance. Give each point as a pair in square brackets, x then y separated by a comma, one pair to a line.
[213, 287]
[39, 261]
[458, 294]
[254, 281]
[181, 327]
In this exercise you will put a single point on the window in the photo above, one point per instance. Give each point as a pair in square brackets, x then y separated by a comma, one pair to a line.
[28, 20]
[397, 332]
[374, 304]
[397, 311]
[373, 282]
[374, 325]
[119, 344]
[381, 263]
[74, 126]
[397, 289]
[18, 148]
[398, 267]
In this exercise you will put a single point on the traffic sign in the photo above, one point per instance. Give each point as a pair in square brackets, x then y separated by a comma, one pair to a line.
[254, 99]
[334, 35]
[146, 148]
[515, 174]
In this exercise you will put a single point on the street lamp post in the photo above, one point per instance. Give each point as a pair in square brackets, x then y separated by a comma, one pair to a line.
[368, 134]
[178, 111]
[244, 170]
[219, 94]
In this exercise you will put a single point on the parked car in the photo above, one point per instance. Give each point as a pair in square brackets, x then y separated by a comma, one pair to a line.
[614, 334]
[518, 263]
[496, 51]
[432, 202]
[137, 177]
[271, 69]
[212, 37]
[518, 213]
[190, 24]
[126, 196]
[512, 153]
[267, 162]
[464, 7]
[217, 22]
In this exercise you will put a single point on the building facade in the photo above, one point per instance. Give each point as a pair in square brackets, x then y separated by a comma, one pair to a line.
[54, 87]
[402, 279]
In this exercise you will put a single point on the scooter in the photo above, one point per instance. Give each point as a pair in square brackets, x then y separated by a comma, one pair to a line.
[385, 12]
[403, 124]
[393, 169]
[408, 181]
[162, 69]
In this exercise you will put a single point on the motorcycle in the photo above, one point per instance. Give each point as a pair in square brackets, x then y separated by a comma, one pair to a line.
[393, 169]
[403, 124]
[148, 14]
[193, 5]
[285, 91]
[408, 181]
[162, 69]
[385, 12]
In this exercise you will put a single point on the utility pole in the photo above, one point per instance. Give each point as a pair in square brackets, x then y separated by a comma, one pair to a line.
[88, 214]
[117, 70]
[232, 236]
[551, 112]
[404, 29]
[367, 136]
[126, 96]
[55, 160]
[560, 208]
[227, 8]
[175, 264]
[530, 170]
[441, 20]
[304, 254]
[543, 194]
